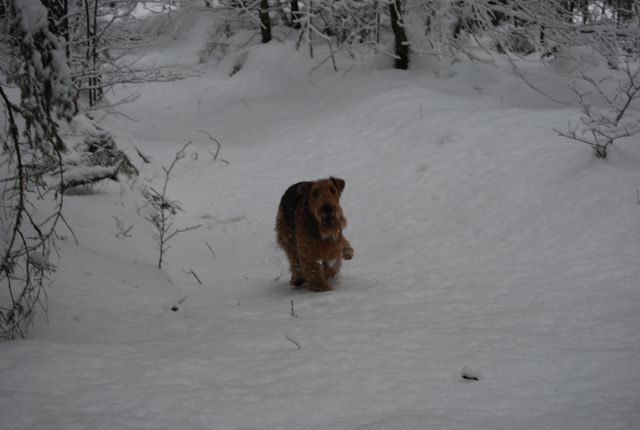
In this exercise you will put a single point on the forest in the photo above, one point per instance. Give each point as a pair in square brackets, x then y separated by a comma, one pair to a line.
[490, 154]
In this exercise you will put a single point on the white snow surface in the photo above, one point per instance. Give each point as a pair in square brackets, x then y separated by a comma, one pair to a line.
[484, 243]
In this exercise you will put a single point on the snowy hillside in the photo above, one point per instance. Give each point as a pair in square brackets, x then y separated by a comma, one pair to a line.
[486, 246]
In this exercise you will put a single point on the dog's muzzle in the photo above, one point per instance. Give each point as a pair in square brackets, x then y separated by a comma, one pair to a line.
[328, 215]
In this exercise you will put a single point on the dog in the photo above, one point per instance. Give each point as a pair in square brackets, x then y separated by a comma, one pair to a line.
[309, 228]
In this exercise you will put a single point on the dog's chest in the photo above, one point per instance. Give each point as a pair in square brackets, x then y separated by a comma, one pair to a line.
[325, 250]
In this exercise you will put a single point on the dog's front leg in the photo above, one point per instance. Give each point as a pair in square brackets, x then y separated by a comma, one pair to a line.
[347, 250]
[313, 273]
[331, 268]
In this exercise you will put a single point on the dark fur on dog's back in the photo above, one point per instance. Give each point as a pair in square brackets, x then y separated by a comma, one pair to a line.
[309, 229]
[289, 202]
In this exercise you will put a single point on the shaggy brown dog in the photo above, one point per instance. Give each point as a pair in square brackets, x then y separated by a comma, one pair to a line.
[309, 229]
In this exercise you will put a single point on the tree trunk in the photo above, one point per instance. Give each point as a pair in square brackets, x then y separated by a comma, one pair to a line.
[566, 9]
[94, 81]
[265, 21]
[624, 11]
[295, 15]
[401, 41]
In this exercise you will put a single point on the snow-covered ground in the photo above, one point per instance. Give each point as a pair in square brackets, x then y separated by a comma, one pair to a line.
[486, 246]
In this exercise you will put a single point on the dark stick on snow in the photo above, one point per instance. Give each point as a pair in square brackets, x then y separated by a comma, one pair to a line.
[195, 276]
[295, 342]
[142, 155]
[469, 374]
[293, 312]
[219, 146]
[210, 249]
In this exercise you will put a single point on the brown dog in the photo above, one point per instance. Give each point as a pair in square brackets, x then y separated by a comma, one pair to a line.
[309, 229]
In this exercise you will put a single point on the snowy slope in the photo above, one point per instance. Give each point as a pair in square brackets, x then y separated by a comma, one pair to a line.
[485, 245]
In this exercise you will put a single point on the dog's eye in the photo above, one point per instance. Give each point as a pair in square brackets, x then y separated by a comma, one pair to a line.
[315, 193]
[334, 191]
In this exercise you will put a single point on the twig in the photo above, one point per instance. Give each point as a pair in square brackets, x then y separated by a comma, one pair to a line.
[195, 276]
[64, 221]
[295, 342]
[211, 249]
[182, 230]
[175, 307]
[293, 312]
[518, 73]
[219, 147]
[163, 210]
[122, 230]
[213, 139]
[142, 155]
[222, 159]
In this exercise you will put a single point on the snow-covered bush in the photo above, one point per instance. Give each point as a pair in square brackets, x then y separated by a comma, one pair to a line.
[94, 157]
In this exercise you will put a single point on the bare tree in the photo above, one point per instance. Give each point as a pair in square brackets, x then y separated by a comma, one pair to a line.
[400, 36]
[265, 21]
[98, 33]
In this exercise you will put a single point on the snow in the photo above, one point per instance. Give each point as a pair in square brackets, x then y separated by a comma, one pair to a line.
[85, 174]
[484, 243]
[33, 15]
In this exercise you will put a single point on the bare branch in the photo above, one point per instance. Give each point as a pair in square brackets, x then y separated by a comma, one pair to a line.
[163, 210]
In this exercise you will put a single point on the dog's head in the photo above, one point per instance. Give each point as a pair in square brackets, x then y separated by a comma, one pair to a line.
[323, 205]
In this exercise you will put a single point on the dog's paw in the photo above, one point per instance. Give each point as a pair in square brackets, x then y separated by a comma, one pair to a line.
[296, 282]
[347, 252]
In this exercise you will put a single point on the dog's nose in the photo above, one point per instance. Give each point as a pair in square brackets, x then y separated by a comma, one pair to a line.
[327, 209]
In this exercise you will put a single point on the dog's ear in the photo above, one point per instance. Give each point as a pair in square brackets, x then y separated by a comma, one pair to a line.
[304, 188]
[339, 183]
